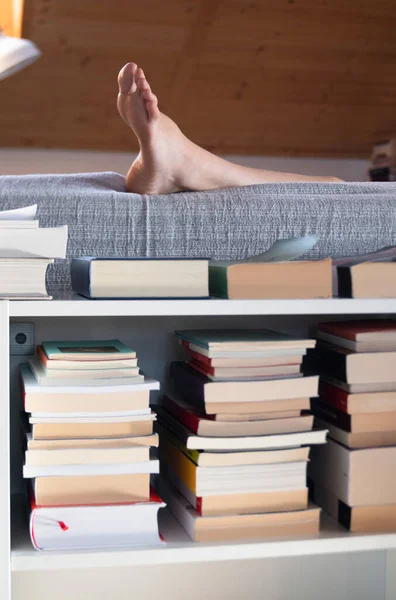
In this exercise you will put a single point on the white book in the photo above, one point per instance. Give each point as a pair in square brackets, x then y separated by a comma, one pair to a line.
[150, 466]
[95, 527]
[144, 414]
[27, 213]
[48, 242]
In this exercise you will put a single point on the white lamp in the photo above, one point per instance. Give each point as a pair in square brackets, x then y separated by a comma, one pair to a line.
[16, 54]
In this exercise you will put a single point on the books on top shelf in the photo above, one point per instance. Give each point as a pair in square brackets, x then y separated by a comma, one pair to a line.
[25, 253]
[370, 275]
[248, 465]
[86, 439]
[140, 277]
[357, 404]
[91, 527]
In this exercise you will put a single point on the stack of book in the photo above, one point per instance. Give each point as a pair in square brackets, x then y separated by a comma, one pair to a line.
[25, 253]
[87, 433]
[234, 437]
[353, 477]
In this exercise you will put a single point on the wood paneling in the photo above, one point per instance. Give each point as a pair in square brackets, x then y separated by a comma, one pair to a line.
[278, 77]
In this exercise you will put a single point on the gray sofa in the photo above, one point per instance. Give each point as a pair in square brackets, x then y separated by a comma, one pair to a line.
[104, 220]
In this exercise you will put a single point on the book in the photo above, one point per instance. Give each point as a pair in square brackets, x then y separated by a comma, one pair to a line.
[293, 279]
[87, 350]
[205, 426]
[81, 365]
[255, 408]
[293, 357]
[238, 527]
[18, 224]
[83, 400]
[76, 428]
[357, 519]
[357, 477]
[81, 470]
[233, 479]
[86, 456]
[360, 336]
[96, 527]
[203, 392]
[113, 371]
[263, 416]
[354, 404]
[240, 373]
[359, 388]
[367, 280]
[358, 423]
[239, 503]
[33, 242]
[140, 277]
[257, 442]
[91, 489]
[356, 368]
[220, 459]
[371, 439]
[24, 278]
[40, 374]
[26, 213]
[217, 342]
[91, 443]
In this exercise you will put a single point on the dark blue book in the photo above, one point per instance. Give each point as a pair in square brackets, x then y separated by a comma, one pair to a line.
[138, 278]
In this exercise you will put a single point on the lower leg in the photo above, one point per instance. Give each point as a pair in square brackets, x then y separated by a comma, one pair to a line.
[168, 161]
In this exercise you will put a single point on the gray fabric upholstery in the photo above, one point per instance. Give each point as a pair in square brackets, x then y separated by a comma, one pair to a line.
[104, 220]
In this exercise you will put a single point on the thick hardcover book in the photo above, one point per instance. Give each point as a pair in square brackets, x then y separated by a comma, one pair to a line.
[140, 278]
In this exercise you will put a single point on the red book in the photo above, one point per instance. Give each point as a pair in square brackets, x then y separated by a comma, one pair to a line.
[333, 395]
[186, 415]
[360, 330]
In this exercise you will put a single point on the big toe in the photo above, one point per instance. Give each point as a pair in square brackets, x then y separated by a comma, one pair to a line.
[126, 78]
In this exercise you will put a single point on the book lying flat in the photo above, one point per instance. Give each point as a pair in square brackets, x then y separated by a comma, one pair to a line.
[92, 443]
[282, 358]
[239, 503]
[222, 459]
[86, 456]
[82, 365]
[96, 527]
[244, 373]
[360, 336]
[79, 470]
[87, 350]
[91, 489]
[368, 519]
[357, 477]
[140, 277]
[359, 388]
[33, 242]
[102, 378]
[371, 439]
[354, 404]
[293, 279]
[233, 479]
[236, 527]
[202, 391]
[360, 423]
[356, 368]
[202, 425]
[23, 278]
[242, 340]
[261, 442]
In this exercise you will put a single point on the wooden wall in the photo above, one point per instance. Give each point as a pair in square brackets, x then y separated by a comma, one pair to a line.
[277, 77]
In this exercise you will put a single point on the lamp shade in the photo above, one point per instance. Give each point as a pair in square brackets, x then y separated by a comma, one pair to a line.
[16, 54]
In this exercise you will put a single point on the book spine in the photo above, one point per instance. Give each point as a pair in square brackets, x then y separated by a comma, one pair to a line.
[187, 418]
[335, 396]
[345, 283]
[201, 368]
[344, 515]
[218, 281]
[187, 384]
[332, 415]
[198, 358]
[176, 441]
[331, 363]
[81, 277]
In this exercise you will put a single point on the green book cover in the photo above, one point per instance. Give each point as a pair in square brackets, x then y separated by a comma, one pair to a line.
[78, 347]
[218, 281]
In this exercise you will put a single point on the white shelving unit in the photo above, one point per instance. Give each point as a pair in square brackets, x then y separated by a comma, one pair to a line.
[89, 319]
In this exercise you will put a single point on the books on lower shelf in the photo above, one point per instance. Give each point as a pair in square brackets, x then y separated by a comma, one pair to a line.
[352, 477]
[87, 447]
[224, 477]
[25, 253]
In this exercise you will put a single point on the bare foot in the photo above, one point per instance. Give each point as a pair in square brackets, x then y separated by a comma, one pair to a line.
[168, 161]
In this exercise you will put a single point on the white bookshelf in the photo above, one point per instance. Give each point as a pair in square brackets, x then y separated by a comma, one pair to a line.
[151, 323]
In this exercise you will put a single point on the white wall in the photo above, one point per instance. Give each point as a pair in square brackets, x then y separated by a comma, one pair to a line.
[15, 161]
